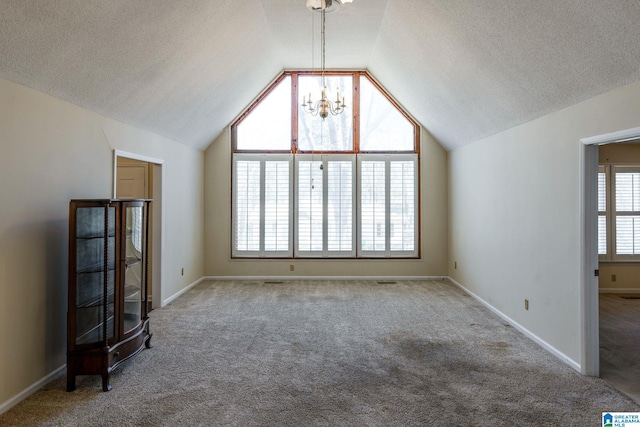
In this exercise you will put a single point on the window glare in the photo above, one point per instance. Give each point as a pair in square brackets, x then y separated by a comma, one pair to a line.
[268, 126]
[382, 126]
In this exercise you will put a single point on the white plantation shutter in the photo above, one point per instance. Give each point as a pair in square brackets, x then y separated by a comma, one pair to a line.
[262, 205]
[277, 205]
[403, 205]
[309, 207]
[325, 206]
[627, 213]
[602, 211]
[388, 205]
[247, 206]
[341, 206]
[373, 211]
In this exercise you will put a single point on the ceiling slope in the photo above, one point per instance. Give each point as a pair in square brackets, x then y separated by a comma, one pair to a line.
[351, 33]
[180, 69]
[465, 69]
[470, 69]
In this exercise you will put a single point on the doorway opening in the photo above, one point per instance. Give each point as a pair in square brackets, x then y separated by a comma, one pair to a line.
[596, 276]
[141, 177]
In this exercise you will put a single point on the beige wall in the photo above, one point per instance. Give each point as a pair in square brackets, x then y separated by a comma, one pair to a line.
[52, 151]
[515, 216]
[627, 274]
[218, 260]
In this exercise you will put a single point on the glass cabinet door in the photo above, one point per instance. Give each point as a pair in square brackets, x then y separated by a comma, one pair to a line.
[134, 267]
[93, 237]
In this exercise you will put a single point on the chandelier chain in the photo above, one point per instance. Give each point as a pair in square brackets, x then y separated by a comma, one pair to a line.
[323, 107]
[323, 45]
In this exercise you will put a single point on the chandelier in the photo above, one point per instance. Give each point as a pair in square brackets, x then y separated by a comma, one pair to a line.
[323, 106]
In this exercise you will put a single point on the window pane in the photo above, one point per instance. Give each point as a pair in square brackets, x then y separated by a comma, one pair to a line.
[382, 126]
[340, 209]
[628, 235]
[335, 133]
[276, 211]
[627, 191]
[602, 235]
[402, 199]
[268, 126]
[309, 206]
[247, 237]
[372, 205]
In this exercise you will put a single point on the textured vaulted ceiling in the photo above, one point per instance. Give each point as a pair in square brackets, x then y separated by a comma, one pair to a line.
[464, 68]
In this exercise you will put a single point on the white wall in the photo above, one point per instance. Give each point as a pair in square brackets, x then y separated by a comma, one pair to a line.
[434, 207]
[51, 152]
[515, 215]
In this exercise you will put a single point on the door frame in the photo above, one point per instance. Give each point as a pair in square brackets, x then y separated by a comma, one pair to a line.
[159, 223]
[589, 244]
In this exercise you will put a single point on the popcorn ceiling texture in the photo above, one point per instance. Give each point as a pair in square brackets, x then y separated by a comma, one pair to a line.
[465, 69]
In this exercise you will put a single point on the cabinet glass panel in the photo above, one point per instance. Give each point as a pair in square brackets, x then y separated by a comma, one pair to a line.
[91, 237]
[134, 267]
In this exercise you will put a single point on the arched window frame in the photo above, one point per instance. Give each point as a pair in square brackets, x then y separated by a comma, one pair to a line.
[294, 150]
[295, 101]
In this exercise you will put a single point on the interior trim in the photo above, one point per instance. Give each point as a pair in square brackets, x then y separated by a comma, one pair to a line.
[4, 407]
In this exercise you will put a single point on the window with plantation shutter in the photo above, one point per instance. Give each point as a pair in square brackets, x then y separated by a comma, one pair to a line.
[262, 205]
[345, 186]
[341, 206]
[403, 207]
[627, 212]
[388, 205]
[277, 201]
[325, 206]
[310, 209]
[247, 206]
[373, 206]
[602, 211]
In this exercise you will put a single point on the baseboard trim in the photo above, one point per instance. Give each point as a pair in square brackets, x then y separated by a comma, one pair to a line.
[551, 349]
[619, 290]
[346, 278]
[4, 407]
[182, 291]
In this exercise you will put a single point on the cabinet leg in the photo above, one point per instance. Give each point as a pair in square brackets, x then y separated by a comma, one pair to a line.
[105, 382]
[71, 382]
[147, 342]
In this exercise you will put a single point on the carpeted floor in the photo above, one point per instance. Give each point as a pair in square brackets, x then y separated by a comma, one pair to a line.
[620, 342]
[329, 353]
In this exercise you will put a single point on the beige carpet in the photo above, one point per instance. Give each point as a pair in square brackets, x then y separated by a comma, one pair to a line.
[328, 353]
[620, 342]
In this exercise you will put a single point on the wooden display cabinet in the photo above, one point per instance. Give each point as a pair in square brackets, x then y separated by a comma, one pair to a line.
[107, 319]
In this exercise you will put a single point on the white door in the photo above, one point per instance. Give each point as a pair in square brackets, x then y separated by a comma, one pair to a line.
[133, 182]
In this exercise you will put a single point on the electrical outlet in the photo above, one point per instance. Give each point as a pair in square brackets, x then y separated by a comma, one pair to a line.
[182, 272]
[526, 304]
[613, 278]
[292, 267]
